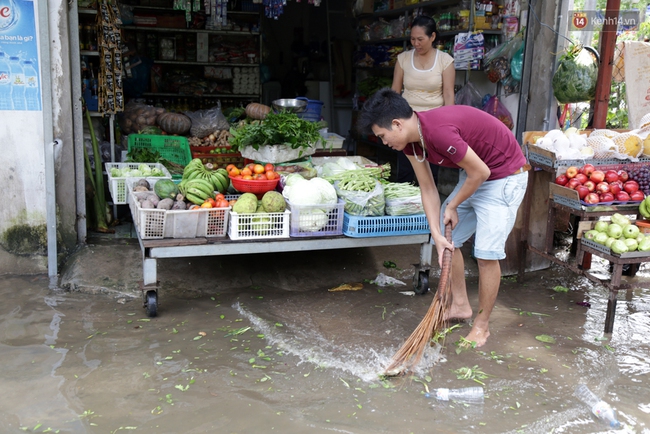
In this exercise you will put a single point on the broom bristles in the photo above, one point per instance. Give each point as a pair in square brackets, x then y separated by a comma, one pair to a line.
[411, 352]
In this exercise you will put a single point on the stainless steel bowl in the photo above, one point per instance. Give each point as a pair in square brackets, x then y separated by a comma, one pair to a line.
[289, 105]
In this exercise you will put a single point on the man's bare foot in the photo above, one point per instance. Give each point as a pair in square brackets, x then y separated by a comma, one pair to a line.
[458, 313]
[478, 335]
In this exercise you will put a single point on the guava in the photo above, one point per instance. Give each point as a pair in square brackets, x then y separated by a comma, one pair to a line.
[614, 230]
[601, 226]
[619, 247]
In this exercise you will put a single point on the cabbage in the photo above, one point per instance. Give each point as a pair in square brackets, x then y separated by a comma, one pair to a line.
[314, 199]
[115, 172]
[145, 169]
[156, 172]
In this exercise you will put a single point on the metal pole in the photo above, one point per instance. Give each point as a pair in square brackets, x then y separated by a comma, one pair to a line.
[48, 136]
[77, 123]
[329, 62]
[607, 48]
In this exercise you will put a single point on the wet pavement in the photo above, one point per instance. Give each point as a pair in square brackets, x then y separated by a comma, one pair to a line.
[257, 344]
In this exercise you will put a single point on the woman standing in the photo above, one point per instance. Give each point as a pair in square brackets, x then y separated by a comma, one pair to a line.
[425, 77]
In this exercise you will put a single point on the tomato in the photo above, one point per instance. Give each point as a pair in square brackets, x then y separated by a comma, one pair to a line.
[268, 167]
[246, 171]
[233, 171]
[270, 174]
[230, 167]
[247, 177]
[258, 168]
[206, 204]
[219, 196]
[210, 201]
[222, 203]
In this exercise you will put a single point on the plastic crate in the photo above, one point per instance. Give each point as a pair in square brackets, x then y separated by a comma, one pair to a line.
[117, 186]
[173, 148]
[160, 223]
[250, 226]
[305, 214]
[383, 226]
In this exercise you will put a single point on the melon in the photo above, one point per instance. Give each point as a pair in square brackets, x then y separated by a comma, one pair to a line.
[165, 188]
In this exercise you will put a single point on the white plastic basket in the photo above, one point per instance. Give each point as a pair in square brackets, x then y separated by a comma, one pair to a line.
[259, 225]
[328, 217]
[117, 185]
[160, 223]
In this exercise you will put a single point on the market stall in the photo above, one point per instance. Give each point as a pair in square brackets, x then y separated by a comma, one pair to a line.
[256, 187]
[601, 180]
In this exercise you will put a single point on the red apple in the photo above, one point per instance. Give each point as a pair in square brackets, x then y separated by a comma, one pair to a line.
[592, 198]
[631, 186]
[611, 176]
[561, 180]
[623, 175]
[581, 177]
[637, 196]
[571, 172]
[590, 185]
[606, 197]
[615, 187]
[582, 191]
[622, 196]
[573, 183]
[597, 176]
[602, 187]
[588, 169]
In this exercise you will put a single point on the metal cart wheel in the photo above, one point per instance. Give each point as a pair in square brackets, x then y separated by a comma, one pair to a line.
[151, 303]
[421, 281]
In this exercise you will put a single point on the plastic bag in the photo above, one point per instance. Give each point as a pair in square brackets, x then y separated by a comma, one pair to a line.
[384, 280]
[206, 122]
[576, 75]
[363, 203]
[499, 111]
[510, 85]
[469, 95]
[405, 206]
[303, 168]
[496, 62]
[517, 63]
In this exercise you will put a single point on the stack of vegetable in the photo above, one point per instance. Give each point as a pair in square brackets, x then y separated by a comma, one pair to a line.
[402, 199]
[142, 170]
[313, 199]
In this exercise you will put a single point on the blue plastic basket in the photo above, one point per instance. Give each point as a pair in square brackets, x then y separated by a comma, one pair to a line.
[383, 226]
[313, 111]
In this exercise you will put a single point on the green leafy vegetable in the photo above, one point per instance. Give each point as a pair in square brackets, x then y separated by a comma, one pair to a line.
[545, 338]
[276, 129]
[576, 76]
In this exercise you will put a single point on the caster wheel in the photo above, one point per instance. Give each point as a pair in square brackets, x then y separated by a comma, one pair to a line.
[152, 303]
[421, 282]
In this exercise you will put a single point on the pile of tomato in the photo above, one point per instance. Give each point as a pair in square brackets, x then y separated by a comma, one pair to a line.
[253, 171]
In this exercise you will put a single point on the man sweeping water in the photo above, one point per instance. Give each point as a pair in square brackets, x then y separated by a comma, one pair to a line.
[491, 186]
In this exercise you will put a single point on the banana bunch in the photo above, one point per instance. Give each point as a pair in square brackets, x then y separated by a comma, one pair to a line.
[196, 170]
[196, 190]
[644, 208]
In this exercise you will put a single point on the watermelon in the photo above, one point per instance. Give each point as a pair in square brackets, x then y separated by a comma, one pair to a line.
[165, 188]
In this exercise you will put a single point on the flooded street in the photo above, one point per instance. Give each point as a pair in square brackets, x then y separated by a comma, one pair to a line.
[261, 359]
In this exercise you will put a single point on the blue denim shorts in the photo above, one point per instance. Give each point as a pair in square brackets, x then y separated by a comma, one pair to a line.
[490, 213]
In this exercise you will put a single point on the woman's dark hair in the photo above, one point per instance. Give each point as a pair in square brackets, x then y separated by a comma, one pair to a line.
[428, 23]
[381, 108]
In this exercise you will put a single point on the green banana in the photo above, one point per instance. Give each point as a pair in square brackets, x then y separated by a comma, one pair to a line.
[223, 171]
[198, 193]
[194, 199]
[202, 187]
[220, 183]
[203, 183]
[643, 209]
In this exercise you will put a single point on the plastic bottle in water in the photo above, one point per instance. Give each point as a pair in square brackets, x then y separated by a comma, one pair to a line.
[31, 86]
[602, 410]
[5, 83]
[470, 395]
[17, 83]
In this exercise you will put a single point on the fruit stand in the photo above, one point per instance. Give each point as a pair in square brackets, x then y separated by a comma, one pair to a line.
[566, 194]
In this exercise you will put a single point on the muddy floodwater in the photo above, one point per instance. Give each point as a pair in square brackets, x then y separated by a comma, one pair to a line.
[261, 359]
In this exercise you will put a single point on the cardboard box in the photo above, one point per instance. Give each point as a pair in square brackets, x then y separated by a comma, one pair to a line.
[202, 47]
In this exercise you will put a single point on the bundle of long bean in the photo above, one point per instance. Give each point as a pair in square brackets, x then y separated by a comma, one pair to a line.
[362, 193]
[402, 199]
[377, 172]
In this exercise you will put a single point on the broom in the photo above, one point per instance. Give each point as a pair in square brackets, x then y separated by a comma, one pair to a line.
[410, 354]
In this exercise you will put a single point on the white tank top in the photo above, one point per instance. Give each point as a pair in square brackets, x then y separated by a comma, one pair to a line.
[423, 88]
